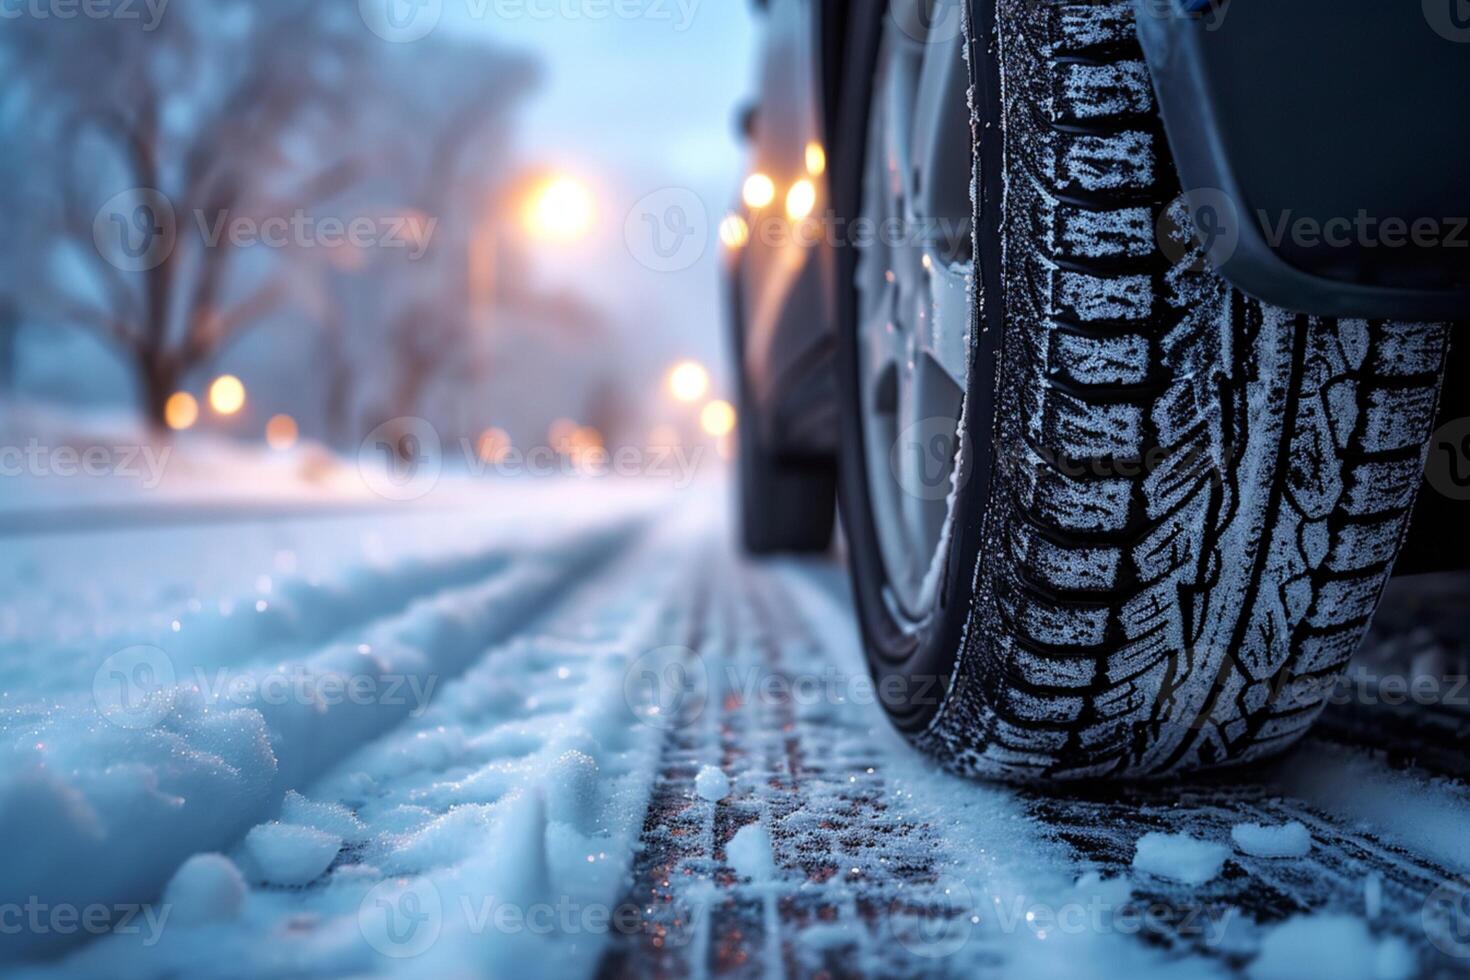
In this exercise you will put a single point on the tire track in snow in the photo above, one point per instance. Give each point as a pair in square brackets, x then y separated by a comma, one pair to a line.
[129, 806]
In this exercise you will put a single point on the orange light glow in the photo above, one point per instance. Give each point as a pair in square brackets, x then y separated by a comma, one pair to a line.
[281, 433]
[816, 159]
[181, 411]
[734, 232]
[801, 199]
[227, 395]
[688, 381]
[759, 191]
[718, 419]
[561, 210]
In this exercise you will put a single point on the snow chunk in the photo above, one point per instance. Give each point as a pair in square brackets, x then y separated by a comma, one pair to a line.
[290, 854]
[1288, 840]
[749, 853]
[206, 888]
[329, 818]
[712, 784]
[1337, 946]
[1180, 857]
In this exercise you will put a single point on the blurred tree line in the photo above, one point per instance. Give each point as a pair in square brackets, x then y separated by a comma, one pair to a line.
[231, 110]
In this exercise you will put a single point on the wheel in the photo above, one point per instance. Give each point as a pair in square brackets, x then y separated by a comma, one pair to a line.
[1107, 517]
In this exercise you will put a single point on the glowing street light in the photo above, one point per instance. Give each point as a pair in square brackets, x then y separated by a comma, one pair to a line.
[560, 210]
[734, 232]
[718, 419]
[816, 159]
[227, 395]
[759, 191]
[801, 199]
[688, 381]
[181, 411]
[281, 433]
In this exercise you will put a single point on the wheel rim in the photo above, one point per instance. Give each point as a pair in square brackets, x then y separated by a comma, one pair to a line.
[915, 286]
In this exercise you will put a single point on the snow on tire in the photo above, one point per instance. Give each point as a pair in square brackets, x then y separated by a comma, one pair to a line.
[1195, 499]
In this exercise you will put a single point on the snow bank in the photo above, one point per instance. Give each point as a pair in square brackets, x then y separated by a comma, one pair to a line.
[93, 812]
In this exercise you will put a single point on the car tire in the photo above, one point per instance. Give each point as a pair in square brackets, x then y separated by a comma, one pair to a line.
[1171, 509]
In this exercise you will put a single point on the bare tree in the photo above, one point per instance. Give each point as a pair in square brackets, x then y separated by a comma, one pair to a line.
[153, 141]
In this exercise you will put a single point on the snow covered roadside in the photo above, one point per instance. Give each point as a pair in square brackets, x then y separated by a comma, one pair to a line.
[117, 771]
[489, 835]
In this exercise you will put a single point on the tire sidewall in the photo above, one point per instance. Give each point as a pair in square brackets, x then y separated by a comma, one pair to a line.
[913, 664]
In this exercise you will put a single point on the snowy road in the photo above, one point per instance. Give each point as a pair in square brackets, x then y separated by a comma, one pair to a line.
[539, 739]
